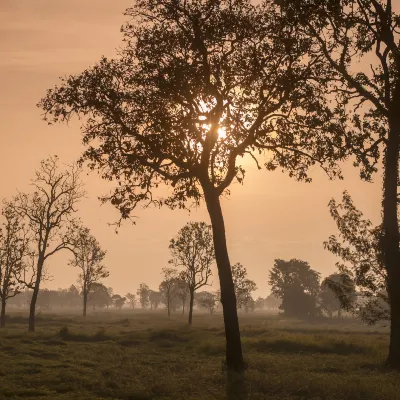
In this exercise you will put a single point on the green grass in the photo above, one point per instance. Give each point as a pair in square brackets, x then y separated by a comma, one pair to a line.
[143, 355]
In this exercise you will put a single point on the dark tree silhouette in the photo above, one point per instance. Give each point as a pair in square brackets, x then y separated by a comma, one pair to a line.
[14, 248]
[118, 301]
[169, 287]
[132, 300]
[206, 300]
[343, 31]
[155, 299]
[143, 292]
[88, 257]
[48, 213]
[243, 286]
[99, 296]
[362, 267]
[193, 250]
[297, 285]
[197, 87]
[182, 293]
[329, 298]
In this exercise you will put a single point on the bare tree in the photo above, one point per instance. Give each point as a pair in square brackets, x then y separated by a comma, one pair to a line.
[48, 213]
[197, 87]
[193, 250]
[168, 287]
[131, 299]
[88, 257]
[14, 248]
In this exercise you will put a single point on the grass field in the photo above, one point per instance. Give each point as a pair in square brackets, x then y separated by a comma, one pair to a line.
[143, 355]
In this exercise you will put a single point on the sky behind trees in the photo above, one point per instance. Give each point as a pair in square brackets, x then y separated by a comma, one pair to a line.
[271, 216]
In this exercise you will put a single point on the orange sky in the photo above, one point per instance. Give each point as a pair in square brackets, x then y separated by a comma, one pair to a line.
[271, 216]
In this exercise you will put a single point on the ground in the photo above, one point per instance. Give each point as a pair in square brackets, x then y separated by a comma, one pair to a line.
[136, 355]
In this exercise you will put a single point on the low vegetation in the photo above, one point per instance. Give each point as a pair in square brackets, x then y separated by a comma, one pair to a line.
[143, 355]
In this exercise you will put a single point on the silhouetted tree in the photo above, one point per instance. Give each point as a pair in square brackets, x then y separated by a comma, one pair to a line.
[297, 285]
[198, 86]
[118, 301]
[143, 293]
[182, 293]
[243, 286]
[342, 31]
[14, 248]
[260, 303]
[48, 214]
[362, 267]
[193, 250]
[206, 300]
[99, 296]
[169, 287]
[329, 300]
[131, 299]
[88, 257]
[155, 299]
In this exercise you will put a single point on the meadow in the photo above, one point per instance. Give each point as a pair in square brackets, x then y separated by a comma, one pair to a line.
[143, 355]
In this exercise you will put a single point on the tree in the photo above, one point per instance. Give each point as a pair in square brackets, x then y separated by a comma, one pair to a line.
[143, 293]
[88, 257]
[169, 287]
[48, 213]
[182, 293]
[363, 266]
[99, 296]
[118, 301]
[260, 303]
[193, 251]
[272, 302]
[196, 88]
[206, 300]
[297, 285]
[341, 32]
[132, 300]
[155, 299]
[14, 248]
[328, 298]
[243, 286]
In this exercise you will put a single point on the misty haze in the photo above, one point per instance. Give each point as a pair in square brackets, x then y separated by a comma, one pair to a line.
[200, 199]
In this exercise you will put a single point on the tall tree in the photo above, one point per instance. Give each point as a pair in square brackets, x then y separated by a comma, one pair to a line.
[99, 296]
[48, 213]
[368, 91]
[297, 284]
[362, 267]
[198, 86]
[243, 286]
[88, 256]
[143, 292]
[193, 251]
[14, 248]
[154, 299]
[169, 287]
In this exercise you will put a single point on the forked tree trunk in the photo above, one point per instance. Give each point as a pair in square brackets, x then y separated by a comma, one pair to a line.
[391, 237]
[191, 302]
[3, 313]
[234, 356]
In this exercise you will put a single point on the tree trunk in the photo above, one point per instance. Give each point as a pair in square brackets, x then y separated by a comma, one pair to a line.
[32, 307]
[3, 313]
[234, 356]
[391, 236]
[169, 309]
[183, 307]
[191, 302]
[84, 302]
[339, 313]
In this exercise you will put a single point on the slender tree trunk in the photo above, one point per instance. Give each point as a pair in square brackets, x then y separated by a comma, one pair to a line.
[183, 307]
[84, 302]
[169, 308]
[3, 313]
[32, 307]
[391, 234]
[234, 356]
[191, 293]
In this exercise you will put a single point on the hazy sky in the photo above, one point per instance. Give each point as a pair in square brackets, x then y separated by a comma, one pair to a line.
[271, 216]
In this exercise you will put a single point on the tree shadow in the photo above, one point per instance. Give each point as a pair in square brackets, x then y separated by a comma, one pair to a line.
[236, 388]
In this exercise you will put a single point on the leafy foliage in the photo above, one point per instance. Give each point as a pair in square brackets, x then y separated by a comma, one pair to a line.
[243, 286]
[359, 247]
